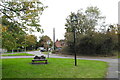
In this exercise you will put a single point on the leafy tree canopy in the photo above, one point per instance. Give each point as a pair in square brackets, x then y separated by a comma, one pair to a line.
[88, 40]
[85, 20]
[12, 37]
[23, 13]
[43, 42]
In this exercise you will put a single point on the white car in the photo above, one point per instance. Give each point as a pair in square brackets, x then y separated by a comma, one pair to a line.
[42, 49]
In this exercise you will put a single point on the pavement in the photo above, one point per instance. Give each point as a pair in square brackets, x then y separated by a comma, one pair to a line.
[113, 71]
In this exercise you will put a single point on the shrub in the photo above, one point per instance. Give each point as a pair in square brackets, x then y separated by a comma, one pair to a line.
[53, 51]
[94, 44]
[86, 45]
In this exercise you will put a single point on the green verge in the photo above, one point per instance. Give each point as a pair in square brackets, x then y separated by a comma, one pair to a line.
[118, 56]
[18, 54]
[44, 52]
[0, 68]
[56, 68]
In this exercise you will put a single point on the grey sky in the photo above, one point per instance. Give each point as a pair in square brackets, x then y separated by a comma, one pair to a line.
[58, 10]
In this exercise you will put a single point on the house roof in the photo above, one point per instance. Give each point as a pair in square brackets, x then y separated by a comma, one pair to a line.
[58, 44]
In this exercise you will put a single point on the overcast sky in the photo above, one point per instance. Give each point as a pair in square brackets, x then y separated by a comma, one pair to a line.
[54, 16]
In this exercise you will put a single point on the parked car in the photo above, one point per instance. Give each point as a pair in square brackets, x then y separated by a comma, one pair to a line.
[42, 49]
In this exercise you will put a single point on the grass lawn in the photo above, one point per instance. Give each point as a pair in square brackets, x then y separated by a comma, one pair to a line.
[118, 56]
[0, 68]
[18, 54]
[117, 53]
[56, 68]
[44, 52]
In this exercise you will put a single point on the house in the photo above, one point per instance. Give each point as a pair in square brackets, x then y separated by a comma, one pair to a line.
[59, 44]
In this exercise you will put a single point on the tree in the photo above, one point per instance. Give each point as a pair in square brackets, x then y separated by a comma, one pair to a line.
[86, 21]
[16, 18]
[23, 14]
[43, 42]
[88, 40]
[30, 41]
[84, 25]
[113, 32]
[9, 41]
[12, 35]
[0, 35]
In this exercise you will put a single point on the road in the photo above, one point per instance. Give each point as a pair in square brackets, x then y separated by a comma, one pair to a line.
[112, 69]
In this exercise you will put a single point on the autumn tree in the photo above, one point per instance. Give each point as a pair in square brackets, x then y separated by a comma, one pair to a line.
[43, 42]
[11, 35]
[24, 14]
[18, 17]
[30, 41]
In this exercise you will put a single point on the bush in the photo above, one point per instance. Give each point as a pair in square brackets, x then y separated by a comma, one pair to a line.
[95, 44]
[86, 45]
[53, 51]
[67, 50]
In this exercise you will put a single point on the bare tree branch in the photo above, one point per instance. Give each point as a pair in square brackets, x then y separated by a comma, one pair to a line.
[6, 15]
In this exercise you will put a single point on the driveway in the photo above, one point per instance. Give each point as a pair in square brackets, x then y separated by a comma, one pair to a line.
[113, 63]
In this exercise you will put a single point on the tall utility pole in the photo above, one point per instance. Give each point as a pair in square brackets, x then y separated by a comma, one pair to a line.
[118, 25]
[118, 13]
[53, 38]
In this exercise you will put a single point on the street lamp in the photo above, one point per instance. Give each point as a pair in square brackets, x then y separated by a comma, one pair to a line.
[74, 23]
